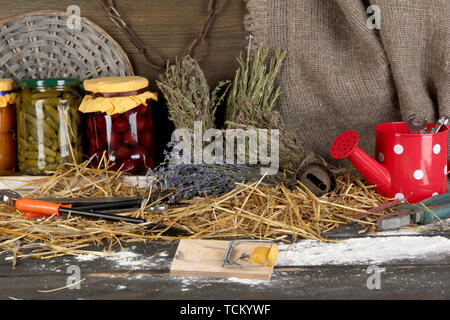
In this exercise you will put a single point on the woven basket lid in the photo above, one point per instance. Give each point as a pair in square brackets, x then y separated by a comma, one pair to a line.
[41, 45]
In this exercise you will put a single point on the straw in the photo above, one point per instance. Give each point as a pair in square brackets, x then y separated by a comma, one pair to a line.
[255, 210]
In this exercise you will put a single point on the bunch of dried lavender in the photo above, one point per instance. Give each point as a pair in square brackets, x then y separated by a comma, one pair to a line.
[193, 180]
[188, 95]
[251, 101]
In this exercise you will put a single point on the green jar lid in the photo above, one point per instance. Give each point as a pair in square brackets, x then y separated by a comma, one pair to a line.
[57, 82]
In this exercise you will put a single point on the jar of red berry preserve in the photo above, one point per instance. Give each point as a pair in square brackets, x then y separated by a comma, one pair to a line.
[119, 122]
[8, 154]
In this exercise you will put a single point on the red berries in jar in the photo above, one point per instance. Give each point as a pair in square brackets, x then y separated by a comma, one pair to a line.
[100, 123]
[149, 123]
[146, 139]
[112, 139]
[121, 152]
[97, 142]
[144, 110]
[140, 123]
[120, 125]
[127, 139]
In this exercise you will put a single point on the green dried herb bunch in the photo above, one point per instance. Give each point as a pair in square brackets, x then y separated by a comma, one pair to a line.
[188, 95]
[253, 89]
[251, 101]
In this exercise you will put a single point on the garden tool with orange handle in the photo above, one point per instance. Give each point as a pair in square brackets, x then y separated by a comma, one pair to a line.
[46, 209]
[33, 208]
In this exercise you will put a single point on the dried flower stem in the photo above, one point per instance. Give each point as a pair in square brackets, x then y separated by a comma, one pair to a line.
[188, 95]
[252, 99]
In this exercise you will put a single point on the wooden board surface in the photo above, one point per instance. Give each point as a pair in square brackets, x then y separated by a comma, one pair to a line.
[146, 277]
[204, 258]
[167, 26]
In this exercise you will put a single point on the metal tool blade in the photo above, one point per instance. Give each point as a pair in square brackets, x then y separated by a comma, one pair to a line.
[87, 201]
[414, 125]
[382, 207]
[8, 197]
[397, 219]
[444, 120]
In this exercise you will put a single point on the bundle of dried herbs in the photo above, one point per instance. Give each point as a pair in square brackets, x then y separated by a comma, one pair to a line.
[189, 100]
[188, 94]
[250, 105]
[201, 180]
[252, 100]
[253, 91]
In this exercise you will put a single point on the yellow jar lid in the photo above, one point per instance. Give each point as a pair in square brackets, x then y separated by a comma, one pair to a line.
[113, 95]
[115, 84]
[7, 97]
[6, 84]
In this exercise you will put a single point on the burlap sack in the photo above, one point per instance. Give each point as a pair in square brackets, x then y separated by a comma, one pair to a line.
[339, 74]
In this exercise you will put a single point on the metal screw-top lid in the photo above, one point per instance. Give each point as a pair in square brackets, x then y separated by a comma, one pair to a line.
[50, 82]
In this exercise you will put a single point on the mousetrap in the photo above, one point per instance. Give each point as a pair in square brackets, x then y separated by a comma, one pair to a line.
[246, 259]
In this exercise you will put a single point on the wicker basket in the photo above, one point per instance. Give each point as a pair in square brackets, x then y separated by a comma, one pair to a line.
[40, 45]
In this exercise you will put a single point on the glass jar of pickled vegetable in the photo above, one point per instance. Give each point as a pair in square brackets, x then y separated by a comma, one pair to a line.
[48, 125]
[8, 154]
[119, 123]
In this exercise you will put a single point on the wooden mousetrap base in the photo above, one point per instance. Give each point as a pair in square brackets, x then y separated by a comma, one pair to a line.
[199, 258]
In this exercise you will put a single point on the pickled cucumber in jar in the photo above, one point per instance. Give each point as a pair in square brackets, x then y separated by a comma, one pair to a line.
[48, 123]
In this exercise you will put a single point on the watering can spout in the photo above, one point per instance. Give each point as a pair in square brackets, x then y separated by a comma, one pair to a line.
[346, 146]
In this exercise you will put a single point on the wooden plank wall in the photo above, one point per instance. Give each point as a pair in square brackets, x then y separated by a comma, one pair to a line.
[167, 25]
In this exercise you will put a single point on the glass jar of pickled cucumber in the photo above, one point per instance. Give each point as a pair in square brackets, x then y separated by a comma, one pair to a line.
[8, 154]
[48, 125]
[119, 123]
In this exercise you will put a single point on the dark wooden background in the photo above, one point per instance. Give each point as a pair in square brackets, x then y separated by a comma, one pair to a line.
[169, 26]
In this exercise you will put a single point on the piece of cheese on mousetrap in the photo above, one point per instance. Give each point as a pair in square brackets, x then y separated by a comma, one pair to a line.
[201, 258]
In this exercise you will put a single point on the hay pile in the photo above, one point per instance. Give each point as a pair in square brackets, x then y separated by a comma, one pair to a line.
[249, 211]
[277, 213]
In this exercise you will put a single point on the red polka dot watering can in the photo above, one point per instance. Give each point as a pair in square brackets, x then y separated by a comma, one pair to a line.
[409, 166]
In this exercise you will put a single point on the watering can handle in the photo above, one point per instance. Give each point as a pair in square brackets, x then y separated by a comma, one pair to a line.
[448, 162]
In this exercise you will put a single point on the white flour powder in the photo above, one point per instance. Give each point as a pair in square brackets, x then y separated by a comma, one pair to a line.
[362, 250]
